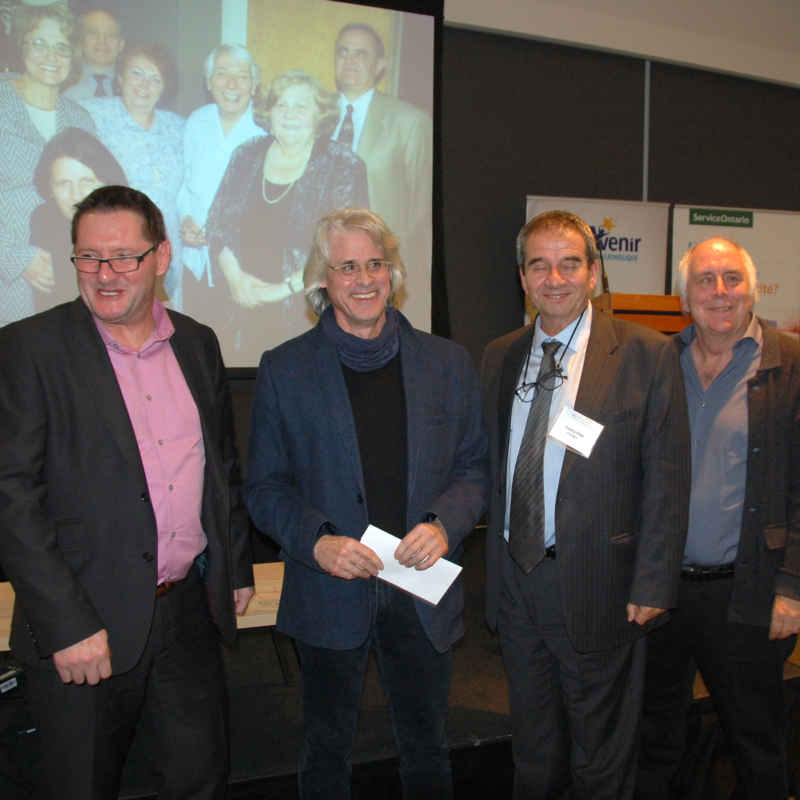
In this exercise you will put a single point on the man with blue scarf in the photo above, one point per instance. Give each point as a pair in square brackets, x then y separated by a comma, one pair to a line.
[365, 420]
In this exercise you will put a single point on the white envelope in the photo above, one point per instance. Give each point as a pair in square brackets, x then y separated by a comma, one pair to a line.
[427, 584]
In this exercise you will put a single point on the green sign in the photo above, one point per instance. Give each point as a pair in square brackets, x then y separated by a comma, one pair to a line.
[721, 216]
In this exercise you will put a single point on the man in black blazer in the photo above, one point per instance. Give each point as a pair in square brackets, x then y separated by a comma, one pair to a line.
[121, 527]
[583, 550]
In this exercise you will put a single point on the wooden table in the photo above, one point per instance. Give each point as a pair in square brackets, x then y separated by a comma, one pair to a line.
[263, 608]
[6, 607]
[261, 612]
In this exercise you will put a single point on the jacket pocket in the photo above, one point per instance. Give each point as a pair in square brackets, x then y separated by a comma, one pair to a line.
[616, 417]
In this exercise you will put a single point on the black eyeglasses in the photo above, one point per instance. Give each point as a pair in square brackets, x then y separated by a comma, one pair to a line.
[549, 382]
[92, 264]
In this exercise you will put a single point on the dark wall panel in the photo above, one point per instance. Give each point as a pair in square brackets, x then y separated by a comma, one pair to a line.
[521, 117]
[719, 140]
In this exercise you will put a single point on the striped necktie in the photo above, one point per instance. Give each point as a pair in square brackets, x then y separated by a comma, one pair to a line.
[526, 517]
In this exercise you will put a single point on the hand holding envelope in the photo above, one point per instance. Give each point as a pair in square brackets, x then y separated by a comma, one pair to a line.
[428, 584]
[423, 545]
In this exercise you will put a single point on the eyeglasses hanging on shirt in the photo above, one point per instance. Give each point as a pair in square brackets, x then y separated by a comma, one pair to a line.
[550, 381]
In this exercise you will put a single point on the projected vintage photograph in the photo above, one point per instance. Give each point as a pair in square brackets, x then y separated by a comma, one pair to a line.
[245, 121]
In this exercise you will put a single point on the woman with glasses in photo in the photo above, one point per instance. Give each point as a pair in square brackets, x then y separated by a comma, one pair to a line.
[32, 111]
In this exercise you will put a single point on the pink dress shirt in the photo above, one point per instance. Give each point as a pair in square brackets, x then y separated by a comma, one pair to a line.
[167, 426]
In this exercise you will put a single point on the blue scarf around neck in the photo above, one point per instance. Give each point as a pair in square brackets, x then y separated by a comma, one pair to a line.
[363, 355]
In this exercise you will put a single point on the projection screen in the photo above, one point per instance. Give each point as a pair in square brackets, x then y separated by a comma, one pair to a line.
[240, 174]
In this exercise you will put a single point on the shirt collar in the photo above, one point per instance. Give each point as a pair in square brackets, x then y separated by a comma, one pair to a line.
[572, 331]
[130, 122]
[359, 104]
[108, 72]
[162, 331]
[244, 119]
[752, 334]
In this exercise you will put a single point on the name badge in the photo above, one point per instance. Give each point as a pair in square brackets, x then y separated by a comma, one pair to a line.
[575, 431]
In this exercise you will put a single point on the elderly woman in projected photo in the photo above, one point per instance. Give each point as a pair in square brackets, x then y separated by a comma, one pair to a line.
[73, 164]
[273, 192]
[146, 140]
[32, 111]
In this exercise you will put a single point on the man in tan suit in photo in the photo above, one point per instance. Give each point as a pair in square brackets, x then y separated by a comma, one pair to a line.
[393, 137]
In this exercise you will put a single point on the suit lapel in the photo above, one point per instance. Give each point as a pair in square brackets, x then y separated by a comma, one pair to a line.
[93, 369]
[372, 132]
[415, 387]
[335, 404]
[193, 373]
[509, 375]
[190, 367]
[599, 374]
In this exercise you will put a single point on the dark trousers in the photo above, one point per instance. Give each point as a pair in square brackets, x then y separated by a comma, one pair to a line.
[743, 671]
[416, 680]
[86, 731]
[574, 716]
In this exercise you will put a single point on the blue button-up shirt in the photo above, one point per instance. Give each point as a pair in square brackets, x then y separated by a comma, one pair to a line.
[718, 423]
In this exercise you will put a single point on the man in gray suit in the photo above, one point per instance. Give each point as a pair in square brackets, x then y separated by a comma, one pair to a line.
[584, 542]
[393, 137]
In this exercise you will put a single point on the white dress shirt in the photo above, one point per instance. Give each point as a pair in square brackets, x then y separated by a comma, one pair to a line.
[207, 151]
[571, 363]
[86, 87]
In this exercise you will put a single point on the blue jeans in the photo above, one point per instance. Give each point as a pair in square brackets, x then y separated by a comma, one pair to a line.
[416, 680]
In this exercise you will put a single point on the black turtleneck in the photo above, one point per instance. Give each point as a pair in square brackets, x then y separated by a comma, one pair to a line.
[379, 411]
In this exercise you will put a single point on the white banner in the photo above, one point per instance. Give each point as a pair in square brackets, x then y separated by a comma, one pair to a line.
[771, 237]
[631, 235]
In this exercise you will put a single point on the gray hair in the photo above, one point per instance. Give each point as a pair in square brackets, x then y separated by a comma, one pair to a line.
[239, 52]
[682, 278]
[343, 220]
[559, 221]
